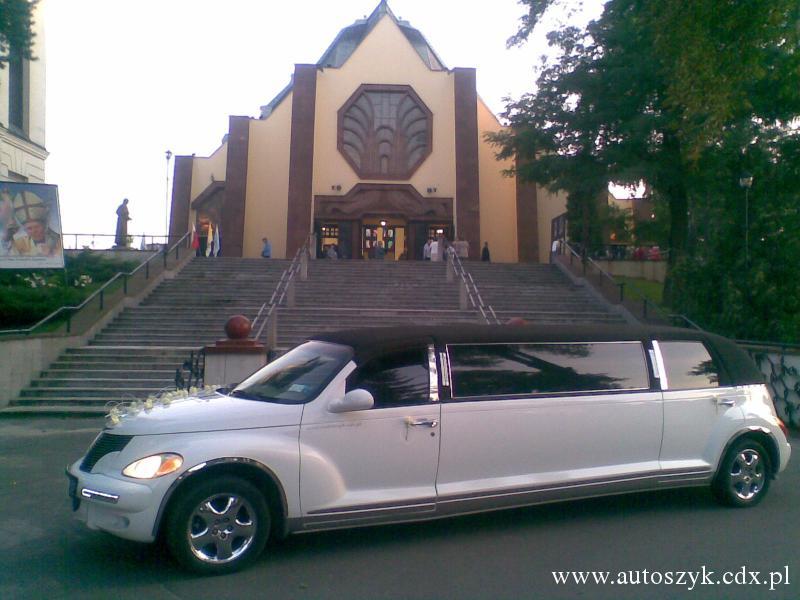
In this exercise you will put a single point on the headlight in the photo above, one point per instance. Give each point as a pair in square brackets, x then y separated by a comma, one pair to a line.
[153, 466]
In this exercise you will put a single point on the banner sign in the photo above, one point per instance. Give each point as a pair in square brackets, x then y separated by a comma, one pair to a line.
[30, 226]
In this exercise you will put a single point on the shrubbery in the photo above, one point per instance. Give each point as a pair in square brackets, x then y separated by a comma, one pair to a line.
[26, 296]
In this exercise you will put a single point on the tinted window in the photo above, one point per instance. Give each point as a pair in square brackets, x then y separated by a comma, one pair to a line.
[688, 365]
[395, 379]
[297, 376]
[505, 369]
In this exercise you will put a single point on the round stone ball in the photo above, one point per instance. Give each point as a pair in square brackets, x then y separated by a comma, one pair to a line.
[237, 327]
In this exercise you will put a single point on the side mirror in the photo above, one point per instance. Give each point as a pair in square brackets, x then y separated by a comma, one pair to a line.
[357, 399]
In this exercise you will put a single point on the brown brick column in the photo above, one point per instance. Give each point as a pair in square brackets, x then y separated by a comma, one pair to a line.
[233, 205]
[181, 198]
[527, 222]
[468, 216]
[301, 156]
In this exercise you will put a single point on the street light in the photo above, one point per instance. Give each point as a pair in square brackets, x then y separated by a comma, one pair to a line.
[746, 182]
[168, 154]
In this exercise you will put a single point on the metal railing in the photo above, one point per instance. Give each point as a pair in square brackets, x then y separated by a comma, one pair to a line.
[268, 313]
[78, 319]
[468, 289]
[105, 241]
[195, 368]
[616, 292]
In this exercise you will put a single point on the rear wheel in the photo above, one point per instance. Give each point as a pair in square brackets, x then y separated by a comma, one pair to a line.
[218, 526]
[743, 476]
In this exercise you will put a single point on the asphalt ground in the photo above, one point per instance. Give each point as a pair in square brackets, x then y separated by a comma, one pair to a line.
[45, 553]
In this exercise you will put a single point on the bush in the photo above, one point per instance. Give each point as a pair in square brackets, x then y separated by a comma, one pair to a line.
[26, 297]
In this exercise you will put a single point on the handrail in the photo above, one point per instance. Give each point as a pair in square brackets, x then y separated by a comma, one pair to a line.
[647, 305]
[281, 288]
[100, 291]
[471, 288]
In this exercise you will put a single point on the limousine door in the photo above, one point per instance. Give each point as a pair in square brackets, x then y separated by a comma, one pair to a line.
[380, 463]
[700, 416]
[531, 422]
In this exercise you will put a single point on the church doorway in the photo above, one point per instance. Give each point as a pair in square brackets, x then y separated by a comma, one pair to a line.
[386, 234]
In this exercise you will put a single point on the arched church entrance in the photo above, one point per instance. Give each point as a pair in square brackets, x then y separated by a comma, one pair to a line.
[394, 217]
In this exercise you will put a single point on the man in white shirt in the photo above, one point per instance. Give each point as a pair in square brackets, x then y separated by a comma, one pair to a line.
[426, 250]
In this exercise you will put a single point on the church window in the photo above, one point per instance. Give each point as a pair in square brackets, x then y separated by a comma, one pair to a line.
[385, 131]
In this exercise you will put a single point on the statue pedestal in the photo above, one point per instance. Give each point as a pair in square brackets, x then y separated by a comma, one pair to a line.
[231, 361]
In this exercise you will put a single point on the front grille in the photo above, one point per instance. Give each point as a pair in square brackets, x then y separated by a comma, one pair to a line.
[106, 443]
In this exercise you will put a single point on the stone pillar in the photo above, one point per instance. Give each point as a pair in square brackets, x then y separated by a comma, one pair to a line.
[234, 359]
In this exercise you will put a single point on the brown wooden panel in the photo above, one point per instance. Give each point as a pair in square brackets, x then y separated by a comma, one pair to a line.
[233, 208]
[468, 221]
[181, 198]
[527, 222]
[301, 156]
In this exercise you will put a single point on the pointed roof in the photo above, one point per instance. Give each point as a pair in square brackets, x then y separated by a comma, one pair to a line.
[351, 37]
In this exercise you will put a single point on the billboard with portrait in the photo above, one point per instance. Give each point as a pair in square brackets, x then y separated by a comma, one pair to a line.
[30, 226]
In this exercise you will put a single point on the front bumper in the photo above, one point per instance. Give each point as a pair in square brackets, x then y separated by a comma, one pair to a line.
[126, 509]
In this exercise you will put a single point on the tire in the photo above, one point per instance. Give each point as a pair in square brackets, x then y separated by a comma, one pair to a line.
[744, 475]
[218, 526]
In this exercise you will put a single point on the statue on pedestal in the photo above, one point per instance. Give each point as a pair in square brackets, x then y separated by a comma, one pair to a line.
[123, 216]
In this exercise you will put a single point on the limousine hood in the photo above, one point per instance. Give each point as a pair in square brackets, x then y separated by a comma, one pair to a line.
[213, 412]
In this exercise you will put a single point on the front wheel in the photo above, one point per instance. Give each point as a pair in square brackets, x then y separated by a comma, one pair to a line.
[218, 526]
[743, 476]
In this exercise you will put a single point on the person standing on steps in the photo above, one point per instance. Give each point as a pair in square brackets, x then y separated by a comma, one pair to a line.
[266, 250]
[485, 256]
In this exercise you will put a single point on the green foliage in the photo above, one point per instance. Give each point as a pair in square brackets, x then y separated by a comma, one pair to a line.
[26, 297]
[683, 96]
[16, 20]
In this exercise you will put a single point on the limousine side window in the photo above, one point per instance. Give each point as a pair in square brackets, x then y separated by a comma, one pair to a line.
[525, 369]
[395, 379]
[688, 365]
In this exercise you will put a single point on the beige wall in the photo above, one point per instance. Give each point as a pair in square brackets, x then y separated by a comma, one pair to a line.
[266, 206]
[204, 167]
[384, 57]
[550, 206]
[498, 194]
[17, 154]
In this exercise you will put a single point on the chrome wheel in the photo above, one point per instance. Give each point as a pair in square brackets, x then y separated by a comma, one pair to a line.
[221, 528]
[744, 474]
[747, 474]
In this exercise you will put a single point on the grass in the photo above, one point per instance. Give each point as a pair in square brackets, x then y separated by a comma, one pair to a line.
[652, 290]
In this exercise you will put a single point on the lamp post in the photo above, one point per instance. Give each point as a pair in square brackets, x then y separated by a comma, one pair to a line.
[168, 154]
[746, 182]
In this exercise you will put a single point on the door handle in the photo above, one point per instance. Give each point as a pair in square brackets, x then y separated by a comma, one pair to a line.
[422, 422]
[724, 402]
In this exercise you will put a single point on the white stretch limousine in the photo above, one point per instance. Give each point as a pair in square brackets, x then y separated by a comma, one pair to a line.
[399, 424]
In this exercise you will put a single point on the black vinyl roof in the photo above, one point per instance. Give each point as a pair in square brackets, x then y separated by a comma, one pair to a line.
[738, 368]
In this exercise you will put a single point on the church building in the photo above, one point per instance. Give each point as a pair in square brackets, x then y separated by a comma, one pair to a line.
[378, 143]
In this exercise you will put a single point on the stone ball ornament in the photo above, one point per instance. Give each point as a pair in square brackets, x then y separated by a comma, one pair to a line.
[237, 327]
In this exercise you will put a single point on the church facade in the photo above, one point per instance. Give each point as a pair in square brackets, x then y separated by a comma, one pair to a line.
[377, 144]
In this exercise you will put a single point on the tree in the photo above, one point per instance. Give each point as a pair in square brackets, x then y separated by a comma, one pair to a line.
[16, 35]
[650, 89]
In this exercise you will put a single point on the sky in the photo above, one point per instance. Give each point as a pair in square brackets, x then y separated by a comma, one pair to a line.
[128, 80]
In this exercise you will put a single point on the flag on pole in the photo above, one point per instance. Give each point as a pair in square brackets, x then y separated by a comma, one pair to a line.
[216, 241]
[195, 238]
[210, 239]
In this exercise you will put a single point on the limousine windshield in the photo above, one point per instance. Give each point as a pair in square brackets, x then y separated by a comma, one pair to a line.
[296, 377]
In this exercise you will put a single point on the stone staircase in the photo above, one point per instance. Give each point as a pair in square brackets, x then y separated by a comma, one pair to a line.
[138, 352]
[538, 293]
